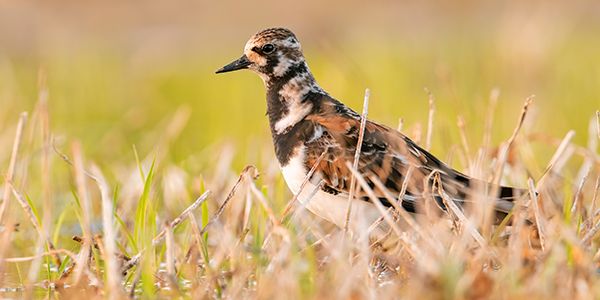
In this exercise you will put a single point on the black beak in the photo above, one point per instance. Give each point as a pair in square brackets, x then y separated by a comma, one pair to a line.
[238, 64]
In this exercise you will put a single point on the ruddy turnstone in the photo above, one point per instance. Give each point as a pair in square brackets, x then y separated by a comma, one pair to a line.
[306, 121]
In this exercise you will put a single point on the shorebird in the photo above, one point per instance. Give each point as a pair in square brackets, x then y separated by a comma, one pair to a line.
[311, 128]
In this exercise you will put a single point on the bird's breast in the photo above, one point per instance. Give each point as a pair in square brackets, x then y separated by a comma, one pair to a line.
[325, 205]
[294, 170]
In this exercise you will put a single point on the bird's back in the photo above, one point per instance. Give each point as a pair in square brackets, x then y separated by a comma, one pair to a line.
[386, 155]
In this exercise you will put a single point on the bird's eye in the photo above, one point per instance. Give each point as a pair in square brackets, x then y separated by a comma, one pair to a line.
[268, 48]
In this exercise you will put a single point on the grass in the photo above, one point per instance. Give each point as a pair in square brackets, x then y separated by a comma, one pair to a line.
[184, 217]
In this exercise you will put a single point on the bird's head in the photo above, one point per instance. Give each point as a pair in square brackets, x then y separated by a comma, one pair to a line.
[270, 53]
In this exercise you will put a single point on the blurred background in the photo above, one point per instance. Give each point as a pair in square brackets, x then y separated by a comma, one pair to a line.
[127, 77]
[119, 73]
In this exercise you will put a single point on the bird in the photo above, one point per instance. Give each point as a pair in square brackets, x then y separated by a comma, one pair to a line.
[311, 130]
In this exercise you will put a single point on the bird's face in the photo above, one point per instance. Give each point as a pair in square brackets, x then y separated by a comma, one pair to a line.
[270, 53]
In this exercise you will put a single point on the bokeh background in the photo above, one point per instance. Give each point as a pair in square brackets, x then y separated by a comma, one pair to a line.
[127, 77]
[120, 72]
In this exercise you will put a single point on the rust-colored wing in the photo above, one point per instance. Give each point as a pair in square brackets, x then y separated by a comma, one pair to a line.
[385, 153]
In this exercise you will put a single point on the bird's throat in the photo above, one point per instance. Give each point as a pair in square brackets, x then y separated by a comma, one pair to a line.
[290, 98]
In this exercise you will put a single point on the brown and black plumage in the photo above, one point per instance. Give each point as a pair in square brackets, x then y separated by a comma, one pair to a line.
[306, 122]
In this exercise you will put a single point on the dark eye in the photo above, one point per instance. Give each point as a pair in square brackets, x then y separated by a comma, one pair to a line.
[268, 48]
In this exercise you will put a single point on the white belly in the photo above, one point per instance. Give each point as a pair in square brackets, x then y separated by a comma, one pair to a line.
[330, 207]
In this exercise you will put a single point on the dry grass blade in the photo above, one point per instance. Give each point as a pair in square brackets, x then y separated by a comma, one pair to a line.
[40, 240]
[67, 160]
[136, 258]
[310, 173]
[182, 216]
[505, 149]
[539, 221]
[9, 222]
[406, 217]
[412, 247]
[594, 230]
[463, 139]
[27, 209]
[170, 256]
[598, 123]
[32, 218]
[46, 186]
[487, 209]
[9, 177]
[98, 244]
[575, 206]
[264, 203]
[457, 212]
[382, 210]
[113, 275]
[562, 148]
[489, 120]
[594, 199]
[361, 133]
[44, 116]
[304, 202]
[54, 253]
[248, 172]
[429, 119]
[590, 234]
[84, 200]
[66, 252]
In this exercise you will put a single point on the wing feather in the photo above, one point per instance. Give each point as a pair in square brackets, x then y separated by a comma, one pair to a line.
[385, 153]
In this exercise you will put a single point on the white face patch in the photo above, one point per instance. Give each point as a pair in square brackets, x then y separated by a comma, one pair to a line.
[283, 65]
[291, 42]
[292, 93]
[253, 56]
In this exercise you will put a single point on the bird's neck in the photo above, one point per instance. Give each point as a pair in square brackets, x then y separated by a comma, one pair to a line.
[291, 97]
